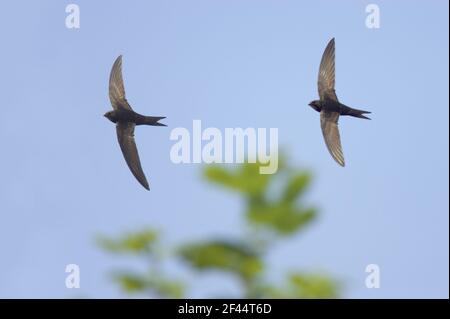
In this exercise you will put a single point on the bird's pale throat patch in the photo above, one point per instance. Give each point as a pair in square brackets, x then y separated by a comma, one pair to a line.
[233, 145]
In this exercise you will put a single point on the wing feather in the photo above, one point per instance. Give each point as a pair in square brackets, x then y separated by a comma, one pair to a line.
[116, 87]
[326, 80]
[125, 135]
[330, 130]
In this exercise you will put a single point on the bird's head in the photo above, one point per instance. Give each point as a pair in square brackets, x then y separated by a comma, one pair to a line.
[315, 105]
[110, 116]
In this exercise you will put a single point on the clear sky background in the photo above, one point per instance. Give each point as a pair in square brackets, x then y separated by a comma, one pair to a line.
[229, 64]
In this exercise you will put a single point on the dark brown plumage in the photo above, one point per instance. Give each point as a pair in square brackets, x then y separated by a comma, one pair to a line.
[329, 106]
[126, 120]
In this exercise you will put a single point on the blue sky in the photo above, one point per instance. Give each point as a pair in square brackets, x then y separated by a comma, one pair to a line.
[230, 64]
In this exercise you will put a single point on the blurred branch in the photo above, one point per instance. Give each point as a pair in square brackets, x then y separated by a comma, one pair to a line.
[270, 215]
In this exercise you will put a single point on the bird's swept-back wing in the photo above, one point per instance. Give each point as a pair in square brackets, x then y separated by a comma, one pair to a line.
[125, 134]
[330, 130]
[116, 88]
[326, 74]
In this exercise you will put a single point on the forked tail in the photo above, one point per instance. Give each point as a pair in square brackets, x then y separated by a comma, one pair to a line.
[154, 120]
[355, 112]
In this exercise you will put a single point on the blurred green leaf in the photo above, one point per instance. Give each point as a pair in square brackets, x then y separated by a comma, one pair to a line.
[302, 286]
[283, 218]
[130, 283]
[156, 284]
[131, 243]
[245, 179]
[225, 256]
[296, 186]
[170, 289]
[312, 286]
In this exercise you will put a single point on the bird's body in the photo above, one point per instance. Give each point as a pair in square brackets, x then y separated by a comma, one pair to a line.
[329, 106]
[123, 115]
[126, 119]
[335, 106]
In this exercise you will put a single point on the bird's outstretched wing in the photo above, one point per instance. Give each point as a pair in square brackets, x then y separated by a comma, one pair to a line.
[116, 88]
[326, 79]
[125, 135]
[330, 130]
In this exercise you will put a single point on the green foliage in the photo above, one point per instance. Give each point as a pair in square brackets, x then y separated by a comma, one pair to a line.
[246, 179]
[312, 286]
[295, 186]
[143, 244]
[303, 286]
[226, 256]
[282, 215]
[272, 212]
[136, 243]
[130, 282]
[151, 283]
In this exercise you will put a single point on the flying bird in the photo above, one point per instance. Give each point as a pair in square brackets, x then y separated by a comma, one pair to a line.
[329, 106]
[126, 119]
